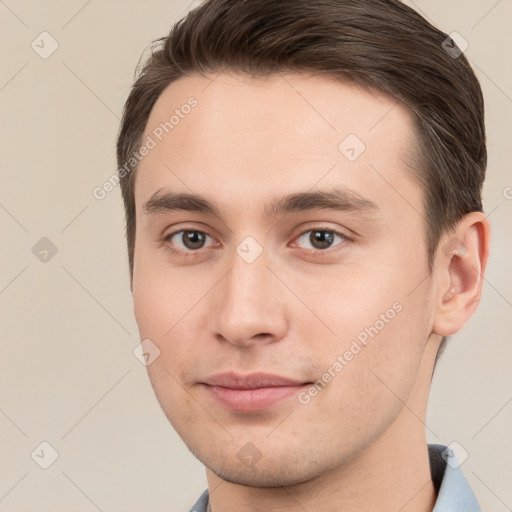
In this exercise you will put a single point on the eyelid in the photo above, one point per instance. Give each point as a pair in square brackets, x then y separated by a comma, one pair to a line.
[181, 228]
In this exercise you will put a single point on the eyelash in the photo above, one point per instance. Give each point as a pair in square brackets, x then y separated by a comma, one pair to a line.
[192, 253]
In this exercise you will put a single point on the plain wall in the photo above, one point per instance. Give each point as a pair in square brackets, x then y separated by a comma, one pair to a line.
[67, 370]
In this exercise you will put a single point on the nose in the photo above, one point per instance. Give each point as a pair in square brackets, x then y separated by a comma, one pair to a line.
[249, 305]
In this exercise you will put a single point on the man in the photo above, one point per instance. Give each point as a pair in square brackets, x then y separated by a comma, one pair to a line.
[302, 182]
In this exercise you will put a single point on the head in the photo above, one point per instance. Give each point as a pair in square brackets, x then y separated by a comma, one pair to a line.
[312, 211]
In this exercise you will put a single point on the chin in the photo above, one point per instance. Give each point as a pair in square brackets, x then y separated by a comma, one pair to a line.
[263, 476]
[287, 468]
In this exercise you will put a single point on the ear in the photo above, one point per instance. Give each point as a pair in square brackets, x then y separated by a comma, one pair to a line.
[461, 262]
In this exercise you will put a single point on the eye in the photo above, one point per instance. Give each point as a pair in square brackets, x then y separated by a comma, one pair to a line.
[321, 239]
[187, 240]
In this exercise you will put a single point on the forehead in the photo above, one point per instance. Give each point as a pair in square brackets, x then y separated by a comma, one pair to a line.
[250, 135]
[318, 107]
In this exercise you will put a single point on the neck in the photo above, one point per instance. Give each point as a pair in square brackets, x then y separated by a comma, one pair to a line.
[392, 474]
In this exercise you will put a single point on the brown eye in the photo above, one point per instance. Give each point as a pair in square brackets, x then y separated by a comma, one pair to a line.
[193, 239]
[321, 239]
[190, 240]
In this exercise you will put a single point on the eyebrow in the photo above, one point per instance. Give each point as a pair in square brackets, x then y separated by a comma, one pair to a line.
[338, 199]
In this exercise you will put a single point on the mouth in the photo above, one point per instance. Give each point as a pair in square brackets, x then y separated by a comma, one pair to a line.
[256, 392]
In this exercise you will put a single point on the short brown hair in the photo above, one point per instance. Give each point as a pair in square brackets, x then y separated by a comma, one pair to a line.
[378, 43]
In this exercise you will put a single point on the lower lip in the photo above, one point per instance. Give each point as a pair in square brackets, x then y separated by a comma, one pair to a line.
[252, 400]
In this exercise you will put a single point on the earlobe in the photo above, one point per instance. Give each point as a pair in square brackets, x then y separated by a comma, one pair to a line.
[463, 258]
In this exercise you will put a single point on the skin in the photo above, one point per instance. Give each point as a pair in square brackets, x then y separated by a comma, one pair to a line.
[359, 444]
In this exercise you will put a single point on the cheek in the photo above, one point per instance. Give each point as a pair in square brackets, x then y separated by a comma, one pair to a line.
[354, 300]
[162, 298]
[161, 315]
[157, 312]
[166, 306]
[378, 321]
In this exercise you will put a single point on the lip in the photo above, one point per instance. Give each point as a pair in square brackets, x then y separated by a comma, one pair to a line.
[256, 392]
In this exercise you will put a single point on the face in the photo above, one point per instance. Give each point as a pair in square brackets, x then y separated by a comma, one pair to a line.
[289, 295]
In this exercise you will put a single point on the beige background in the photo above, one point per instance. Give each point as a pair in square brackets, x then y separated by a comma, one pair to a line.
[67, 369]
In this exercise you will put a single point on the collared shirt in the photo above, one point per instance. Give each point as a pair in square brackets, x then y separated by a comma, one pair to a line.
[453, 491]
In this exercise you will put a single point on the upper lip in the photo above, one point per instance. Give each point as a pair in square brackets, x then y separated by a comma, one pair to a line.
[251, 381]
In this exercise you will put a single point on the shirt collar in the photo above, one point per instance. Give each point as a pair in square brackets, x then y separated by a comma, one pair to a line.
[454, 492]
